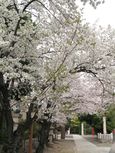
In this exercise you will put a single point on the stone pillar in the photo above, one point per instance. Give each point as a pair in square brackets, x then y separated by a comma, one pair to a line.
[104, 125]
[68, 132]
[82, 129]
[51, 136]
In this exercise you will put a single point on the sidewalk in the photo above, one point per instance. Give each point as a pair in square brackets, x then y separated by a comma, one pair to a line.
[84, 146]
[61, 146]
[75, 144]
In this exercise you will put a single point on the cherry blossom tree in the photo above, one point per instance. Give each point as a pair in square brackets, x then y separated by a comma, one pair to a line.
[96, 70]
[31, 32]
[41, 44]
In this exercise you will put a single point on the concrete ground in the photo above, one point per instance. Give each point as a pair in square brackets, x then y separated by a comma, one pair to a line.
[112, 148]
[84, 146]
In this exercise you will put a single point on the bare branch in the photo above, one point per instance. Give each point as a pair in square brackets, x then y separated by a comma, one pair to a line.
[15, 6]
[57, 7]
[81, 68]
[27, 5]
[24, 9]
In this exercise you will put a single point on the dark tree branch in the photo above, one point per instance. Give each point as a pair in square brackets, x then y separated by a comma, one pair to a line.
[50, 12]
[24, 9]
[17, 26]
[27, 5]
[15, 6]
[81, 68]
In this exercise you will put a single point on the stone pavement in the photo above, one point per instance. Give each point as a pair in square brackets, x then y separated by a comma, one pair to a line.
[112, 148]
[84, 146]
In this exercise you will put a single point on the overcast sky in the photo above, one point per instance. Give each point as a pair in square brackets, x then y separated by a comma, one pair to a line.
[103, 15]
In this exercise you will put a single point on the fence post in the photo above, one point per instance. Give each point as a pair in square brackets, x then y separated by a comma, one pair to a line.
[113, 135]
[93, 133]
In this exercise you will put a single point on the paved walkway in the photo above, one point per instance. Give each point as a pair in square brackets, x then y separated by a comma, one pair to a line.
[84, 146]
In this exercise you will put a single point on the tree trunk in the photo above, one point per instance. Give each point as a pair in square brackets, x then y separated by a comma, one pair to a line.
[43, 136]
[63, 132]
[41, 139]
[16, 144]
[15, 139]
[30, 138]
[48, 125]
[6, 120]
